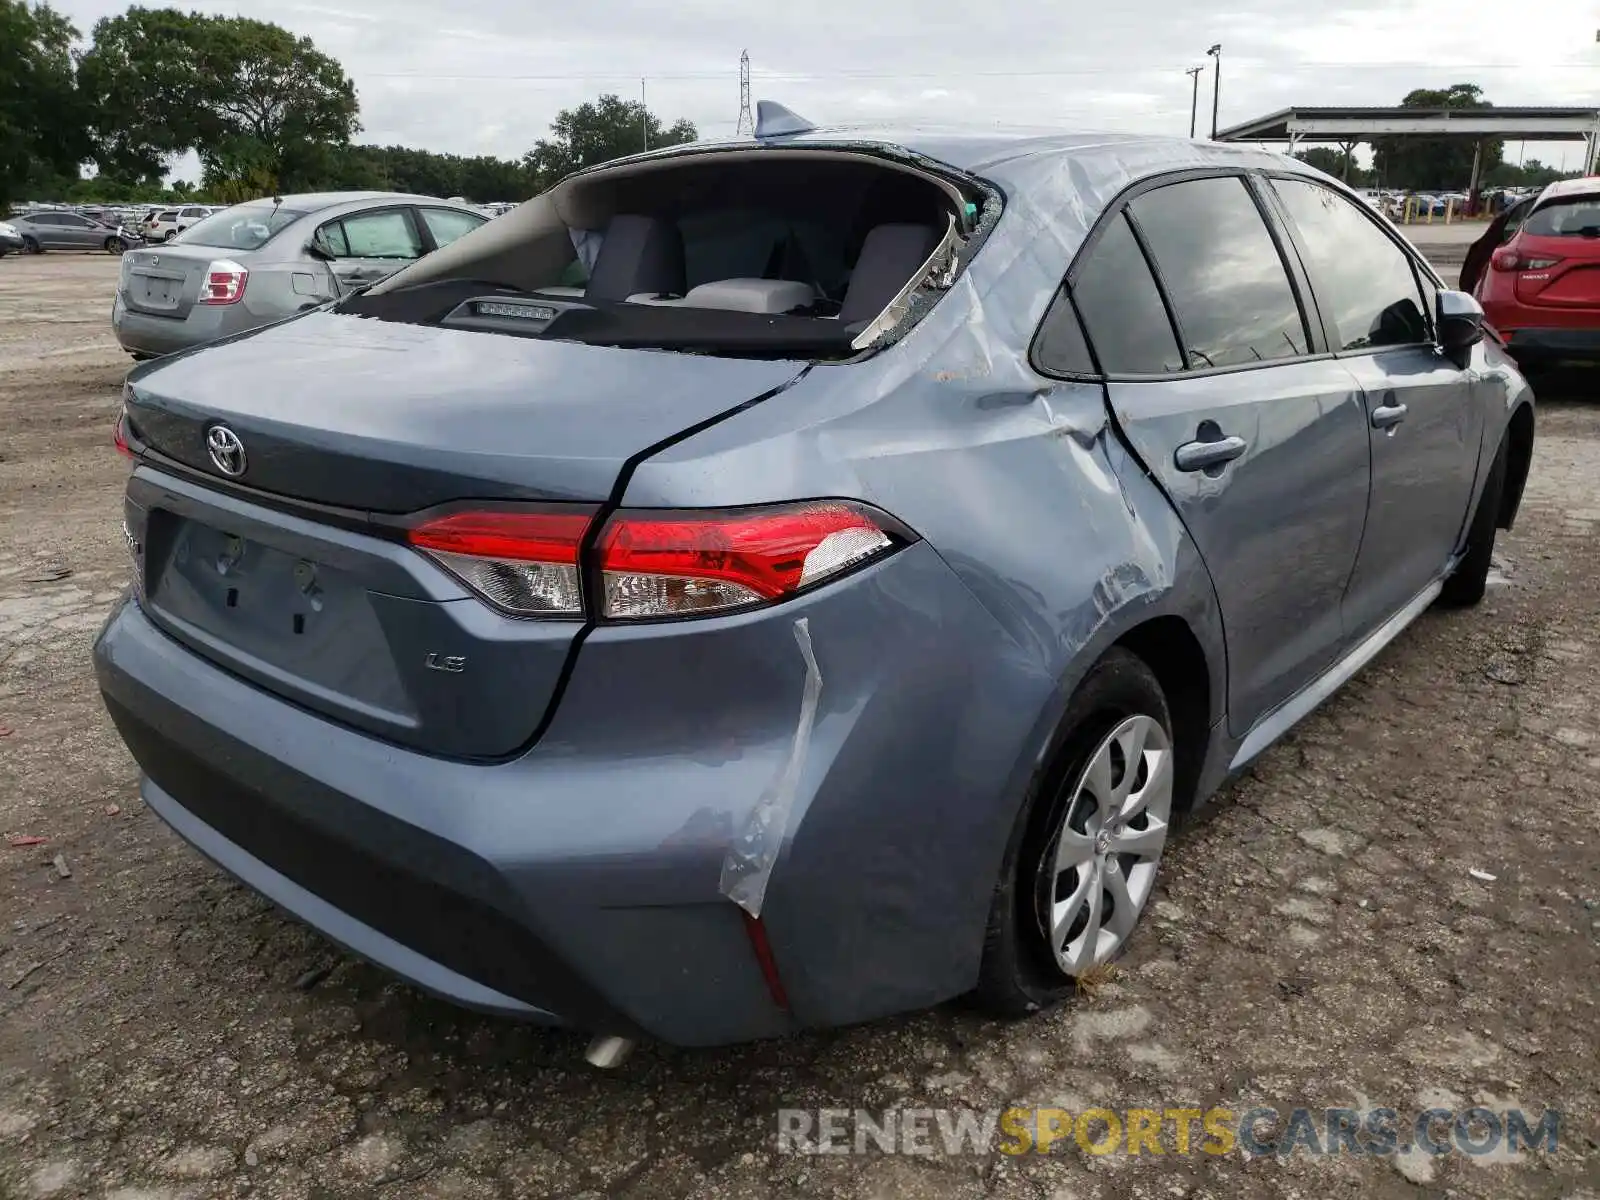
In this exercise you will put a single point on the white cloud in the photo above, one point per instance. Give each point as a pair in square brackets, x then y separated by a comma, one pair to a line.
[492, 74]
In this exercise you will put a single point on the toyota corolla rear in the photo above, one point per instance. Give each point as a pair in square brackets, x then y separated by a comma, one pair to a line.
[1542, 288]
[397, 655]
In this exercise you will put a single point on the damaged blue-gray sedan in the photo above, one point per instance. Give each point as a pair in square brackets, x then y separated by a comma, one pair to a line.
[774, 584]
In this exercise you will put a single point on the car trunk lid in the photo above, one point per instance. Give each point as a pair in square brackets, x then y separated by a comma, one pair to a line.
[295, 578]
[165, 281]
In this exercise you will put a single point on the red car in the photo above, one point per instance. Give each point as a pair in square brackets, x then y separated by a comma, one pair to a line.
[1541, 284]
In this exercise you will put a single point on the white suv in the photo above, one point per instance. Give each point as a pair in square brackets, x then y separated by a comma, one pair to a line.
[167, 224]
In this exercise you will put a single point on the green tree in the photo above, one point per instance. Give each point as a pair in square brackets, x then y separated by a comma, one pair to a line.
[598, 132]
[1334, 163]
[42, 133]
[262, 107]
[1436, 162]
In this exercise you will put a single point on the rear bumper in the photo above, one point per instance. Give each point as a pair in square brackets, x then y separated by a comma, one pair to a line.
[580, 883]
[140, 333]
[1554, 345]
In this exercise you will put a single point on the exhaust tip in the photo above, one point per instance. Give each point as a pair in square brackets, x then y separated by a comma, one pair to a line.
[607, 1051]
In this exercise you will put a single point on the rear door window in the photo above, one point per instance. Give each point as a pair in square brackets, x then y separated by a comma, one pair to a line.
[1362, 279]
[388, 233]
[1122, 308]
[448, 224]
[1570, 216]
[1222, 271]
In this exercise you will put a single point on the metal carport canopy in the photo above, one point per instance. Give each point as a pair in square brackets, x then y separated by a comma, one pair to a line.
[1294, 125]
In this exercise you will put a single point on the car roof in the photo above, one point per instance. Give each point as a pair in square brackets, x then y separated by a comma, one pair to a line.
[976, 149]
[316, 201]
[1587, 186]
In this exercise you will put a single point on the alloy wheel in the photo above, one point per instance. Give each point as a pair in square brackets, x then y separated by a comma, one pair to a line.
[1099, 871]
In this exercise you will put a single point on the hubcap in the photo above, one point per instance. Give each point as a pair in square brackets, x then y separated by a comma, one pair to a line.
[1097, 874]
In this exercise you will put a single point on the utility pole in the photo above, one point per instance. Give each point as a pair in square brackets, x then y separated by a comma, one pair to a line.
[1194, 96]
[1216, 87]
[747, 123]
[644, 116]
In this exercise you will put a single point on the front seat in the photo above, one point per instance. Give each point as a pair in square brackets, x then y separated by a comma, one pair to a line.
[639, 254]
[889, 255]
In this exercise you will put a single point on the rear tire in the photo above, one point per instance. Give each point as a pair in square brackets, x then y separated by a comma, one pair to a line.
[1470, 580]
[30, 245]
[115, 245]
[1037, 917]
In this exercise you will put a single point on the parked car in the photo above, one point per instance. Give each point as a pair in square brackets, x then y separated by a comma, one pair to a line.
[168, 223]
[10, 239]
[743, 590]
[255, 263]
[1541, 288]
[1498, 232]
[62, 230]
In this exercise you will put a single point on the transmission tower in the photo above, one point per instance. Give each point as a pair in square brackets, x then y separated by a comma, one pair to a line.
[747, 123]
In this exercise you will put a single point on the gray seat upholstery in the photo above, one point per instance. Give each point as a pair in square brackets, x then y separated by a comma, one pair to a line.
[889, 255]
[639, 254]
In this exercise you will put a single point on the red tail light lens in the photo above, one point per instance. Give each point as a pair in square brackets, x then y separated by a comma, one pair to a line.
[684, 563]
[119, 435]
[654, 565]
[524, 563]
[1509, 258]
[225, 280]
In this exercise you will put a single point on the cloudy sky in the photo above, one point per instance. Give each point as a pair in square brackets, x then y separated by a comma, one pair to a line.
[487, 76]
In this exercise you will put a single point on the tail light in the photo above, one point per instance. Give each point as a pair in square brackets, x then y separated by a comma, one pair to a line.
[1509, 258]
[522, 562]
[225, 280]
[679, 564]
[655, 564]
[119, 435]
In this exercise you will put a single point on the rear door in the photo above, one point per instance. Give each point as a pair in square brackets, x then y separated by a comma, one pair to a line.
[1563, 236]
[50, 230]
[1258, 439]
[367, 246]
[1422, 422]
[1501, 230]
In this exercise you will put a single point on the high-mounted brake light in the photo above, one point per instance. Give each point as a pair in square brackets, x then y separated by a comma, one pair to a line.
[1508, 258]
[684, 563]
[225, 280]
[523, 562]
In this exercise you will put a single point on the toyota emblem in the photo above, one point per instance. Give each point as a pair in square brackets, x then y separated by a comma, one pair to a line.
[227, 451]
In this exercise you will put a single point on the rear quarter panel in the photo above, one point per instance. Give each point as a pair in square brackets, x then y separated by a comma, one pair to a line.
[1020, 485]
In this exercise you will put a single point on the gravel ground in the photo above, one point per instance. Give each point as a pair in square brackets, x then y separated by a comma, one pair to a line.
[1319, 938]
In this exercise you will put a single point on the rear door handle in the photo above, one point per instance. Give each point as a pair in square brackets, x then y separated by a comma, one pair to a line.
[1199, 456]
[1387, 416]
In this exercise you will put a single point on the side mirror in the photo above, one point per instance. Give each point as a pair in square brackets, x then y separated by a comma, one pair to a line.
[1459, 320]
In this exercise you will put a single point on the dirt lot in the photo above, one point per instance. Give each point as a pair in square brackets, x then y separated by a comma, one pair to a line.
[1319, 938]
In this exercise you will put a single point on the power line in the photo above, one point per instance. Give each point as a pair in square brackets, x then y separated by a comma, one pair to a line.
[806, 76]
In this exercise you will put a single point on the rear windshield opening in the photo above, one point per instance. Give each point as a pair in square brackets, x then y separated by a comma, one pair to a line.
[242, 227]
[1570, 216]
[760, 254]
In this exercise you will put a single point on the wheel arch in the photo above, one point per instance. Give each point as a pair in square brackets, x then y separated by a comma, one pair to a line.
[1169, 647]
[1519, 458]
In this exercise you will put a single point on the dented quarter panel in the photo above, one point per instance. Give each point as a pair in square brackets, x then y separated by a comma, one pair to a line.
[1023, 488]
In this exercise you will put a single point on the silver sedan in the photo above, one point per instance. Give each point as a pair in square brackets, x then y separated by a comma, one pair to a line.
[62, 230]
[258, 262]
